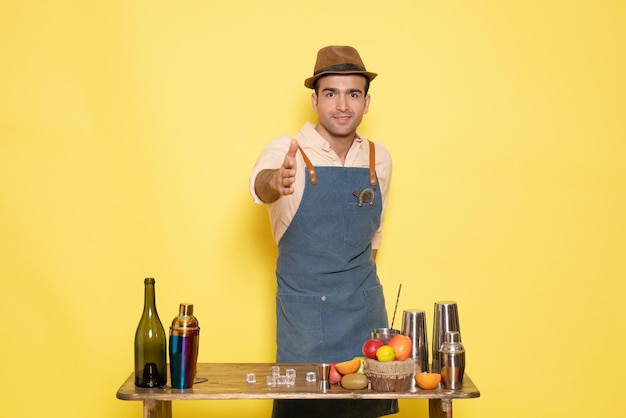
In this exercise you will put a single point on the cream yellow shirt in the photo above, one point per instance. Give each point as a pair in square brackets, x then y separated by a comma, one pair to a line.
[319, 152]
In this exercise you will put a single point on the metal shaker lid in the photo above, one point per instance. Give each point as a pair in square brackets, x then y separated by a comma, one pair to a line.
[452, 344]
[185, 309]
[185, 319]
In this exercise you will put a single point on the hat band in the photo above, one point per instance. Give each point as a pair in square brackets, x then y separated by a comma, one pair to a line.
[339, 67]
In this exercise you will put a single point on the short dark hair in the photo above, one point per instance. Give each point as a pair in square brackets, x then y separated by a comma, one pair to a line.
[367, 83]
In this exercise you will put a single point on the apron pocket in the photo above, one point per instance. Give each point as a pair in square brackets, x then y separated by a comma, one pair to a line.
[376, 312]
[359, 224]
[299, 324]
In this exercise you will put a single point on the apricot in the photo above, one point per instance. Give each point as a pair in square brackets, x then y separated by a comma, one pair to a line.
[427, 380]
[350, 366]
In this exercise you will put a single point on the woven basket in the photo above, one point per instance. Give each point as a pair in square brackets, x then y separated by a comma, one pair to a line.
[390, 376]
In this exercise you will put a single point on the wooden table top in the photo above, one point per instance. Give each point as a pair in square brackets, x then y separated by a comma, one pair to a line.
[228, 381]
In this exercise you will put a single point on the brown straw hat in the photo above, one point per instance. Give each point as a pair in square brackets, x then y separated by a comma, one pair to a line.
[338, 60]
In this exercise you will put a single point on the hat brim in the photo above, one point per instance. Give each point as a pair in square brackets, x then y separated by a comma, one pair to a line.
[310, 82]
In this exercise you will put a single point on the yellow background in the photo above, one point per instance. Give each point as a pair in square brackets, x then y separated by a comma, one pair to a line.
[128, 130]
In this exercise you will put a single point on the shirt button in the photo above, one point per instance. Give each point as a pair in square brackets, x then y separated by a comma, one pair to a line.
[323, 298]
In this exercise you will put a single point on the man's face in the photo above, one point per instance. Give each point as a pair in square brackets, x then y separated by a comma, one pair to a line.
[340, 103]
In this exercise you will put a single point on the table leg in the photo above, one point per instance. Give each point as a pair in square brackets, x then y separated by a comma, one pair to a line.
[440, 408]
[157, 409]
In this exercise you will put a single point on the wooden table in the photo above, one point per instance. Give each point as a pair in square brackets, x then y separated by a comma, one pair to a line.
[228, 381]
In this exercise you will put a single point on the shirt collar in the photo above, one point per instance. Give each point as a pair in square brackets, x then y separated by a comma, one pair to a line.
[312, 135]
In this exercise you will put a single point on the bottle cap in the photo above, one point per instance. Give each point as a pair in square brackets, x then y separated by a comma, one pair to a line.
[185, 309]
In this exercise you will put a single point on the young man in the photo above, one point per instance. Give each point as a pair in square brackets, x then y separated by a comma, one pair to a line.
[326, 191]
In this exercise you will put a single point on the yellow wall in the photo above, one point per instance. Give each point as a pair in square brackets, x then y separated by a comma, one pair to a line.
[128, 129]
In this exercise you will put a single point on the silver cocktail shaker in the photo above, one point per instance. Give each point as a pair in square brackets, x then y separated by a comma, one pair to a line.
[452, 361]
[446, 319]
[414, 327]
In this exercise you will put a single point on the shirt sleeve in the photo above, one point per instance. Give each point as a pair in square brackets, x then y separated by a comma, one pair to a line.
[383, 172]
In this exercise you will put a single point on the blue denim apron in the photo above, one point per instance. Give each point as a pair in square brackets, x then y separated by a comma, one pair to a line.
[329, 297]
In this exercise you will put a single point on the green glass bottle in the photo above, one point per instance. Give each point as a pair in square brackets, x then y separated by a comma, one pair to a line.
[150, 349]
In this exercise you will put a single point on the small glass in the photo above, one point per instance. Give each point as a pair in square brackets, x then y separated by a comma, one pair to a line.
[275, 370]
[250, 378]
[271, 380]
[290, 372]
[291, 379]
[310, 377]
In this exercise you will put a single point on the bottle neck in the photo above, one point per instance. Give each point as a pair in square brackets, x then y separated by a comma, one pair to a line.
[149, 304]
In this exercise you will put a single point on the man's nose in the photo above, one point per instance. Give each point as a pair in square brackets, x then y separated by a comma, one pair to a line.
[342, 103]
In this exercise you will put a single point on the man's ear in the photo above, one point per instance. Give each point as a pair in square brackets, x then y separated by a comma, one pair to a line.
[314, 101]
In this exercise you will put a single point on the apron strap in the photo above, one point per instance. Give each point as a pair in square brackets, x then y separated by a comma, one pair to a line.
[309, 166]
[372, 163]
[313, 174]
